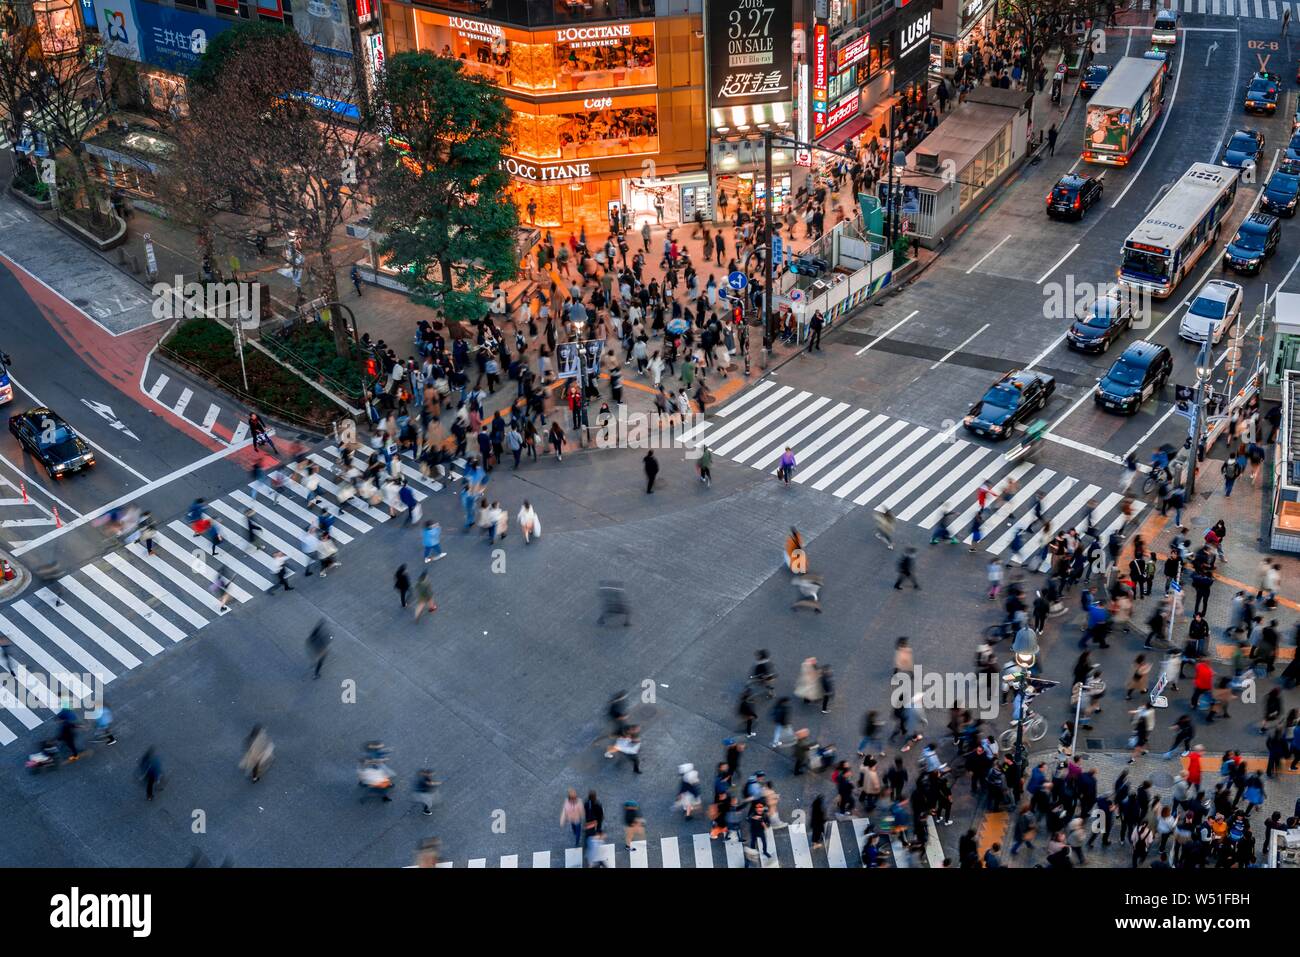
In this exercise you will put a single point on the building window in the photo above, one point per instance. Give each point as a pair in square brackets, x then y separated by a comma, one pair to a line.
[584, 133]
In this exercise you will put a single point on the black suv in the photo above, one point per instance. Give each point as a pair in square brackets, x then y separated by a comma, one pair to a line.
[1255, 241]
[1072, 195]
[1135, 376]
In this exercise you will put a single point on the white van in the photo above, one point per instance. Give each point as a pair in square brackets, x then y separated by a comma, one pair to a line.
[1166, 27]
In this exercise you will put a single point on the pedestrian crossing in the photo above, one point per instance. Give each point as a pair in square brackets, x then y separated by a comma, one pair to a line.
[918, 474]
[1247, 9]
[96, 624]
[228, 424]
[788, 846]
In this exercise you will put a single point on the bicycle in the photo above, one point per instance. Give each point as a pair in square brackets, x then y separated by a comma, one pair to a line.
[1035, 727]
[1154, 478]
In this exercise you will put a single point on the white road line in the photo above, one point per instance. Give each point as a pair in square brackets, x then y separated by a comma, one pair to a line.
[880, 462]
[43, 658]
[763, 425]
[639, 855]
[20, 711]
[541, 859]
[1081, 447]
[834, 849]
[703, 847]
[961, 345]
[158, 385]
[69, 647]
[900, 470]
[214, 410]
[1150, 148]
[84, 624]
[35, 486]
[799, 845]
[223, 557]
[860, 452]
[1008, 511]
[985, 472]
[771, 457]
[1043, 278]
[268, 515]
[732, 424]
[241, 433]
[150, 587]
[735, 852]
[182, 402]
[201, 562]
[73, 586]
[807, 469]
[950, 475]
[986, 256]
[669, 853]
[510, 860]
[825, 437]
[902, 856]
[181, 578]
[757, 389]
[938, 462]
[129, 496]
[888, 332]
[785, 425]
[933, 849]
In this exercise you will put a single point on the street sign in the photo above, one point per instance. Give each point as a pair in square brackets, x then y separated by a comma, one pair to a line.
[737, 280]
[776, 249]
[151, 260]
[1187, 413]
[1158, 699]
[1174, 586]
[568, 360]
[49, 172]
[796, 295]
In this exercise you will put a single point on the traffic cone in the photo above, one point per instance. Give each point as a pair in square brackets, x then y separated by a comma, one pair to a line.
[7, 569]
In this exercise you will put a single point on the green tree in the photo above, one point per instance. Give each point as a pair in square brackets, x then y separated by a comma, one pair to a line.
[440, 192]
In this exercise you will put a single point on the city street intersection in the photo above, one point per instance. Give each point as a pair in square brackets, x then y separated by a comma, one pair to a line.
[502, 691]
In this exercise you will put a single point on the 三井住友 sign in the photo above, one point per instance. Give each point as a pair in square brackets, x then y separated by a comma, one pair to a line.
[750, 51]
[174, 39]
[545, 173]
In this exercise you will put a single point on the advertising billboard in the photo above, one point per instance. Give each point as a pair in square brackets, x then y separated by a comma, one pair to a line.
[912, 43]
[1108, 128]
[175, 39]
[750, 51]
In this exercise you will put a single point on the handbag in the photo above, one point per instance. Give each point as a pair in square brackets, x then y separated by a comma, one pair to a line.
[416, 512]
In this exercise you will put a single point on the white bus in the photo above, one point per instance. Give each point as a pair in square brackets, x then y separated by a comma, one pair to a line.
[1123, 111]
[1165, 246]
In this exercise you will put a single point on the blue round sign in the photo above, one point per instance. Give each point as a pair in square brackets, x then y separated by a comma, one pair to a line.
[737, 280]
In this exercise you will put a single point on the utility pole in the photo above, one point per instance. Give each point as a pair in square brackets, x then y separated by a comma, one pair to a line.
[1203, 371]
[889, 188]
[767, 234]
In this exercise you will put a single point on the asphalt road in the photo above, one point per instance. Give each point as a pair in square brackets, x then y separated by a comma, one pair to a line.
[502, 691]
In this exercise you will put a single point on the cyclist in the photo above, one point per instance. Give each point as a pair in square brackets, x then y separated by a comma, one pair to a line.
[1160, 458]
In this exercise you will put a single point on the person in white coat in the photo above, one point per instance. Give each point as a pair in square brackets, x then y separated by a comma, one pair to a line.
[529, 524]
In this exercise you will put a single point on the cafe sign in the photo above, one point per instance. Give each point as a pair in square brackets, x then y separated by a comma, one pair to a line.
[545, 172]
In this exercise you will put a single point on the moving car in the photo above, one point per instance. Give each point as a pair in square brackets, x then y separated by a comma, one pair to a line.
[1012, 399]
[1261, 93]
[1292, 154]
[1255, 241]
[6, 387]
[1142, 369]
[1155, 53]
[1072, 195]
[1243, 147]
[1216, 307]
[1165, 29]
[1093, 78]
[1098, 327]
[1281, 192]
[51, 441]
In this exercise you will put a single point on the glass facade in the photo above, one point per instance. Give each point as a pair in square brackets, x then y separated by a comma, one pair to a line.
[601, 111]
[544, 13]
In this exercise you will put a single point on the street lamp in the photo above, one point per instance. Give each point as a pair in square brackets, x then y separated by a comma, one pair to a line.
[1024, 651]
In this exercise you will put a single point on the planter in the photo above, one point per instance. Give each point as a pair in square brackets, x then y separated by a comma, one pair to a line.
[86, 236]
[31, 201]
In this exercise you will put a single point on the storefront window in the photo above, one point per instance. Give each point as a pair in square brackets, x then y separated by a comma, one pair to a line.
[57, 24]
[586, 130]
[563, 60]
[555, 205]
[882, 56]
[541, 13]
[164, 92]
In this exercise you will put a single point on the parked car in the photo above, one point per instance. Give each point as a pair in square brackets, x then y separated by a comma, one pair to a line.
[1140, 371]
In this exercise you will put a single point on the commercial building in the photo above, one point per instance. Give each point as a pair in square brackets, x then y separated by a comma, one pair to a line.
[607, 96]
[957, 24]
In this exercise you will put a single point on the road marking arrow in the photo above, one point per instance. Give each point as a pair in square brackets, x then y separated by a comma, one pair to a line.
[1210, 52]
[106, 412]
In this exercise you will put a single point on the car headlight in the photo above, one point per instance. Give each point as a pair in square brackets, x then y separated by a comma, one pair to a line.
[59, 468]
[996, 429]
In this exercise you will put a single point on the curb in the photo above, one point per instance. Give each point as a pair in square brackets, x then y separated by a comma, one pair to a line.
[10, 590]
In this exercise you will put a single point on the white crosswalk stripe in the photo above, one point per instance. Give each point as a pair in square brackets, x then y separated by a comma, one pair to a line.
[788, 846]
[96, 623]
[919, 474]
[1244, 9]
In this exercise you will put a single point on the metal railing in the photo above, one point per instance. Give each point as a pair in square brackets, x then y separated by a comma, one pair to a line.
[275, 342]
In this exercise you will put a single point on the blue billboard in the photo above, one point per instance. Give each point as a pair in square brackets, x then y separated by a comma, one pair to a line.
[175, 39]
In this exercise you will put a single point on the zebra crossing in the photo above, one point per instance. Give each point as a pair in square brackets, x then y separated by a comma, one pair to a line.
[882, 462]
[1248, 9]
[93, 625]
[789, 846]
[227, 425]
